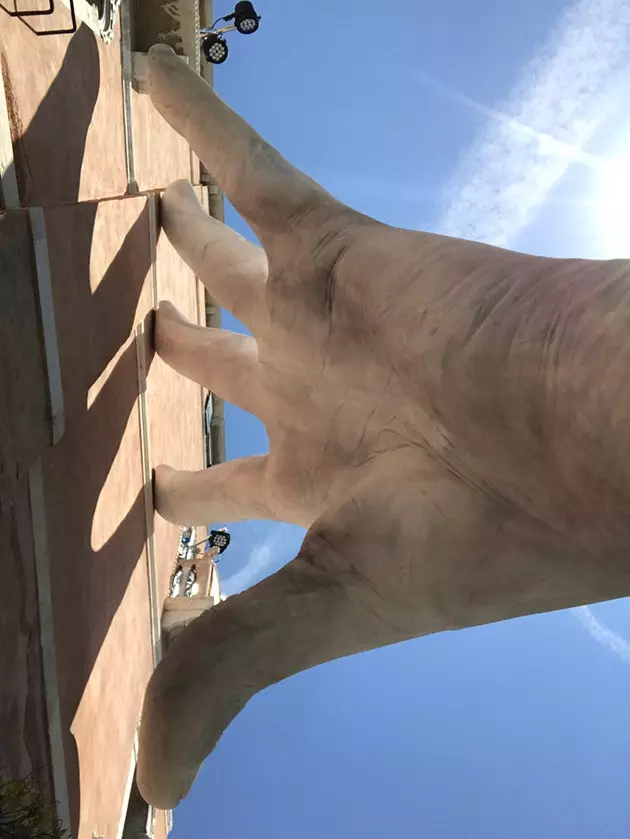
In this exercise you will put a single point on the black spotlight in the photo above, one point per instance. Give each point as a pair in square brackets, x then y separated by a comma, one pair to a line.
[215, 49]
[245, 18]
[213, 44]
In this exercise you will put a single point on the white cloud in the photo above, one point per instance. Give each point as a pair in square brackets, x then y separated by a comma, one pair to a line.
[257, 550]
[604, 636]
[261, 558]
[551, 113]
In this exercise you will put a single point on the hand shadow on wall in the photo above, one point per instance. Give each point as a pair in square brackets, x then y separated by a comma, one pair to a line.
[88, 585]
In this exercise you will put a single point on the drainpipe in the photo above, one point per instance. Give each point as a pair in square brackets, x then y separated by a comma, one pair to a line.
[206, 18]
[216, 209]
[215, 447]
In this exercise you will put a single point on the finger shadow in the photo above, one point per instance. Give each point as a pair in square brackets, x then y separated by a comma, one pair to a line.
[49, 152]
[89, 575]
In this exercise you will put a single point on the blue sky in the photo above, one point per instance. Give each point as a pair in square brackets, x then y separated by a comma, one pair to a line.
[500, 121]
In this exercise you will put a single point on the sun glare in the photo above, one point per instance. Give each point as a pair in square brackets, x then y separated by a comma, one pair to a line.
[612, 207]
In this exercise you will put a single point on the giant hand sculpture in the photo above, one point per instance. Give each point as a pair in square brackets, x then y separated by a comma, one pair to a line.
[449, 420]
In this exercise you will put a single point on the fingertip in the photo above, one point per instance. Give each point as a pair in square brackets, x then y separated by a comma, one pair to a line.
[162, 61]
[163, 779]
[160, 50]
[180, 189]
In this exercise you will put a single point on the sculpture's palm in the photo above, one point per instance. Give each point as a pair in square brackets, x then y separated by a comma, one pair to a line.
[433, 407]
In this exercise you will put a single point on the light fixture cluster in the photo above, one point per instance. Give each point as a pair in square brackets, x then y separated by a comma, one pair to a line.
[243, 19]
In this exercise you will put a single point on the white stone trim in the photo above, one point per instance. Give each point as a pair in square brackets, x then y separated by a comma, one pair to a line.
[127, 78]
[154, 604]
[145, 446]
[153, 231]
[47, 641]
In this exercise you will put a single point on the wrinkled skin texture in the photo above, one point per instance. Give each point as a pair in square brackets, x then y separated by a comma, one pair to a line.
[450, 421]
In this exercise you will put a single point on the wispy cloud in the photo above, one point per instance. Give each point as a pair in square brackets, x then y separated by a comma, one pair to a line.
[604, 636]
[258, 549]
[552, 112]
[259, 562]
